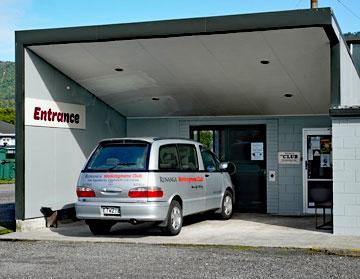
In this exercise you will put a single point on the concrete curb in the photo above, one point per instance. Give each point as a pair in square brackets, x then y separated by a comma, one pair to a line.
[327, 251]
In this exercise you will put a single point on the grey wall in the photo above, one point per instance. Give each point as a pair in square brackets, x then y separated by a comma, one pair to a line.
[349, 79]
[285, 196]
[356, 55]
[291, 176]
[55, 156]
[346, 161]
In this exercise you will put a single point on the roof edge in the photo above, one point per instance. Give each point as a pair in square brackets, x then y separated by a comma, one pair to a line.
[345, 112]
[181, 27]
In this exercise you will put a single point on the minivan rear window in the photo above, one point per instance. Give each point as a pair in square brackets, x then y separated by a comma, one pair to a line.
[119, 157]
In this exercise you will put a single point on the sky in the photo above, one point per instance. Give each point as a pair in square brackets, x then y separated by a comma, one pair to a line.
[39, 14]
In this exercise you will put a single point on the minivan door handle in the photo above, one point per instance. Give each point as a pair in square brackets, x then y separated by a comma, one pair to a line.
[207, 175]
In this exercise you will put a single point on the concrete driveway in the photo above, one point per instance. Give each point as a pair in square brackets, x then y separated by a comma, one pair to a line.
[257, 230]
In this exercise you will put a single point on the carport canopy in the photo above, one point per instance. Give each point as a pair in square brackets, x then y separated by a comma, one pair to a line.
[281, 71]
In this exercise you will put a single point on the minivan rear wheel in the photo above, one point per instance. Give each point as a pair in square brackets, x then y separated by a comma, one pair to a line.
[227, 206]
[100, 227]
[174, 219]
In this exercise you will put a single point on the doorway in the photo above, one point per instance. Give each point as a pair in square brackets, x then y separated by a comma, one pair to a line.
[317, 167]
[245, 146]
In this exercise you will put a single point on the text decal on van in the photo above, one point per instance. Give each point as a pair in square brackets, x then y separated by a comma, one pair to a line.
[54, 114]
[181, 179]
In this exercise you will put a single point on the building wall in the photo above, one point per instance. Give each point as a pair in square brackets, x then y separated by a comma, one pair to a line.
[285, 195]
[346, 161]
[356, 55]
[55, 156]
[349, 79]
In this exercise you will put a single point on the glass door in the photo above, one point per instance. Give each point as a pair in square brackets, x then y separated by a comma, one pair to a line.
[245, 147]
[317, 167]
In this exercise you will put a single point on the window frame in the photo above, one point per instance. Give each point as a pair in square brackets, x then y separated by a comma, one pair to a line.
[102, 145]
[178, 169]
[213, 156]
[193, 146]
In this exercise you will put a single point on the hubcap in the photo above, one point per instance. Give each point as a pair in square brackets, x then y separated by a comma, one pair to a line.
[176, 218]
[227, 205]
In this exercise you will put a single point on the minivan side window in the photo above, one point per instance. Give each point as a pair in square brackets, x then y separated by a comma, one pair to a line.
[168, 157]
[188, 157]
[210, 163]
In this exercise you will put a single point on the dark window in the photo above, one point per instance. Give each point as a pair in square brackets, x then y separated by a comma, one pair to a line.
[168, 158]
[188, 157]
[119, 157]
[10, 155]
[211, 163]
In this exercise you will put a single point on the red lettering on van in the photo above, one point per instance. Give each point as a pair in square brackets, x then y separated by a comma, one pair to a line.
[190, 179]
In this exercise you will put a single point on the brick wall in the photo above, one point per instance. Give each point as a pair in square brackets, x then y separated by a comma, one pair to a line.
[285, 195]
[346, 161]
[291, 176]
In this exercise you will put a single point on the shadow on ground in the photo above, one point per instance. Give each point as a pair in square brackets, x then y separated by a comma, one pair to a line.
[126, 230]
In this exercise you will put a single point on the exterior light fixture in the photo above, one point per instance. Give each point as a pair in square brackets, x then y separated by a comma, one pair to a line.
[288, 95]
[265, 62]
[119, 69]
[155, 98]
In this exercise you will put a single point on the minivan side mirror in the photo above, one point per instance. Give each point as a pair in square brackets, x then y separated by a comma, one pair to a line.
[229, 167]
[224, 165]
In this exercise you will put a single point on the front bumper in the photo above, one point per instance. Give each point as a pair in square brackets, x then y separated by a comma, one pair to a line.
[149, 211]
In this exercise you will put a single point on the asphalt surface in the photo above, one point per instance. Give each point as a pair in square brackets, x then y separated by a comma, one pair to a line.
[7, 193]
[7, 205]
[109, 260]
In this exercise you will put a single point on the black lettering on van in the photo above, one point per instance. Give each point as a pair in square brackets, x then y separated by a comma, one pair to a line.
[168, 179]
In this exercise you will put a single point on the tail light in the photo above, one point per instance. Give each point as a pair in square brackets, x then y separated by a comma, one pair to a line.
[146, 192]
[85, 192]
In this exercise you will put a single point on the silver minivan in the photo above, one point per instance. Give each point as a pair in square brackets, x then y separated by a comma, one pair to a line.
[151, 179]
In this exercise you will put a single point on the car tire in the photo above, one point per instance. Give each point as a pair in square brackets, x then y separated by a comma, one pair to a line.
[100, 227]
[227, 206]
[174, 219]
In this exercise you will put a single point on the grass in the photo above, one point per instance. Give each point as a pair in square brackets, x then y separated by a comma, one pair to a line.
[7, 181]
[5, 231]
[7, 227]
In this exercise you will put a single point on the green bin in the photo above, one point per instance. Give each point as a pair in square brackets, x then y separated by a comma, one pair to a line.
[7, 164]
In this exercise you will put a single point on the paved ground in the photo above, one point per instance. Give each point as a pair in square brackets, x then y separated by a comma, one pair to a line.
[109, 260]
[7, 193]
[7, 206]
[257, 230]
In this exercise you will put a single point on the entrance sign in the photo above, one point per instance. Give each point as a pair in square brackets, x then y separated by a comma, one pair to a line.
[54, 114]
[257, 151]
[289, 158]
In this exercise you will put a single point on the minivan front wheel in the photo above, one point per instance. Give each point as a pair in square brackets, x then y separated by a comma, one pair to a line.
[227, 206]
[174, 219]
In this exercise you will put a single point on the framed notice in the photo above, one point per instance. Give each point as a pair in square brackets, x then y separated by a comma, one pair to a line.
[54, 114]
[257, 151]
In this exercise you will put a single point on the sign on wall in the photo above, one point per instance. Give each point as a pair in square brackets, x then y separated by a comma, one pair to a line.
[289, 158]
[257, 151]
[54, 114]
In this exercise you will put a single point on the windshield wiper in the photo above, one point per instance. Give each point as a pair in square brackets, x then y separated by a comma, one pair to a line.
[122, 164]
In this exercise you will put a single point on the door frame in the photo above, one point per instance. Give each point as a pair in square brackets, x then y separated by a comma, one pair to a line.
[227, 128]
[309, 132]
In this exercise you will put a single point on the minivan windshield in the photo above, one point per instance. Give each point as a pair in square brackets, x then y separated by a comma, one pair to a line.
[119, 157]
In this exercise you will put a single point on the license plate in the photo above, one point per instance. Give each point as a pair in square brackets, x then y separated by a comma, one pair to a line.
[115, 211]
